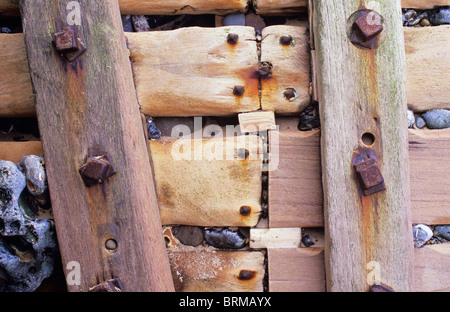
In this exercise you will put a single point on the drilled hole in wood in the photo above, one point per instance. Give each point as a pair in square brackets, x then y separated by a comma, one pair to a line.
[111, 245]
[243, 153]
[368, 139]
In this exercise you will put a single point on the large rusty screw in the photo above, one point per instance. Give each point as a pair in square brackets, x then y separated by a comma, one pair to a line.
[96, 170]
[68, 44]
[370, 177]
[366, 29]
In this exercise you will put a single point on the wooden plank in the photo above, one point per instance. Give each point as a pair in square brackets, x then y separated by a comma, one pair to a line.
[291, 69]
[16, 93]
[208, 270]
[432, 268]
[296, 270]
[93, 111]
[428, 77]
[423, 4]
[429, 156]
[275, 238]
[257, 121]
[205, 191]
[295, 188]
[14, 151]
[285, 7]
[193, 71]
[350, 108]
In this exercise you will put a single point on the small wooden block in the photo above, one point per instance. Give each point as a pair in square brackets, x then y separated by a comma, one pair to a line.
[193, 71]
[207, 270]
[257, 121]
[285, 7]
[275, 238]
[287, 91]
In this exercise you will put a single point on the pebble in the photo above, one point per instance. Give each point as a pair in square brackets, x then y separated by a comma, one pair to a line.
[422, 234]
[5, 30]
[153, 132]
[420, 122]
[188, 235]
[307, 241]
[127, 23]
[440, 16]
[411, 118]
[442, 231]
[234, 19]
[425, 22]
[437, 119]
[225, 239]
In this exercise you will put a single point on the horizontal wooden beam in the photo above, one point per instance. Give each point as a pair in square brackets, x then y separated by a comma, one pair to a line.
[275, 238]
[192, 187]
[295, 188]
[205, 57]
[303, 269]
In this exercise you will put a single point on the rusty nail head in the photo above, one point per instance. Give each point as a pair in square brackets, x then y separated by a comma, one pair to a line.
[232, 39]
[97, 170]
[370, 177]
[245, 211]
[112, 285]
[238, 90]
[66, 41]
[245, 275]
[264, 71]
[286, 40]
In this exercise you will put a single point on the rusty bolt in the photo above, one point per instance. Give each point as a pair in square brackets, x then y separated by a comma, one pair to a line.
[370, 177]
[66, 41]
[238, 90]
[245, 211]
[245, 275]
[97, 170]
[366, 28]
[232, 39]
[286, 40]
[112, 285]
[264, 71]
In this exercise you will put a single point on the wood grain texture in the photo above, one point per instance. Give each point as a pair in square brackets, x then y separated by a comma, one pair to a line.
[205, 189]
[89, 108]
[257, 121]
[208, 270]
[423, 4]
[432, 268]
[291, 69]
[192, 71]
[16, 93]
[296, 270]
[374, 103]
[280, 7]
[428, 69]
[275, 238]
[295, 187]
[429, 156]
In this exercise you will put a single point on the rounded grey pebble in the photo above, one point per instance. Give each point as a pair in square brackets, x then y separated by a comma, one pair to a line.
[188, 235]
[440, 16]
[437, 119]
[225, 239]
[422, 234]
[420, 122]
[237, 19]
[442, 231]
[411, 118]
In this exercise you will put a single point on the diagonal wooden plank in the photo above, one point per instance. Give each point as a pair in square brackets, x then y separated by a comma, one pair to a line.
[88, 108]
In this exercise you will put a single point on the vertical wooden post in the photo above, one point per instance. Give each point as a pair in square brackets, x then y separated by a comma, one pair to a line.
[88, 108]
[362, 98]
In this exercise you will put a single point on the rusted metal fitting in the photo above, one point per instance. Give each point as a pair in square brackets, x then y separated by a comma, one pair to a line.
[112, 285]
[245, 211]
[265, 70]
[96, 170]
[286, 40]
[238, 90]
[366, 29]
[290, 94]
[245, 275]
[369, 176]
[69, 44]
[233, 39]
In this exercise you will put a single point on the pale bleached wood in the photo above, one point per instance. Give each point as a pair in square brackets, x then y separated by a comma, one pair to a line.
[349, 107]
[280, 7]
[208, 270]
[296, 269]
[257, 121]
[429, 156]
[428, 69]
[208, 192]
[88, 108]
[295, 188]
[192, 71]
[16, 93]
[432, 268]
[291, 69]
[275, 238]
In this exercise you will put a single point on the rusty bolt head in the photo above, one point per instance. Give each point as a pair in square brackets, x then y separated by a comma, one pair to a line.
[238, 90]
[245, 211]
[265, 71]
[245, 275]
[370, 177]
[233, 39]
[366, 28]
[66, 41]
[286, 40]
[97, 170]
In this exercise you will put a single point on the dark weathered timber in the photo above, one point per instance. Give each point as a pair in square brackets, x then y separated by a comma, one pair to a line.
[88, 108]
